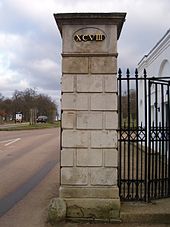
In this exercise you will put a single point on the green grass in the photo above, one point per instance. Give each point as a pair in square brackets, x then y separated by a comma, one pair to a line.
[30, 127]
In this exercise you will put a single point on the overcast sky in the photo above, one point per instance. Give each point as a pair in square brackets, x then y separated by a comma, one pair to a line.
[30, 43]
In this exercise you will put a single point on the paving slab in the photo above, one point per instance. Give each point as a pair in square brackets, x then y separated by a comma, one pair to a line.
[111, 225]
[136, 214]
[157, 211]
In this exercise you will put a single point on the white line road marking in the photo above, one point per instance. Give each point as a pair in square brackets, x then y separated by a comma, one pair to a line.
[9, 142]
[5, 141]
[12, 141]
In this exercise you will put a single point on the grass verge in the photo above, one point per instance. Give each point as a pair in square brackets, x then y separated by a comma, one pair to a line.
[27, 126]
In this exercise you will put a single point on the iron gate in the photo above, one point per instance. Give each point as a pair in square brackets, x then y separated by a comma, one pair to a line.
[144, 137]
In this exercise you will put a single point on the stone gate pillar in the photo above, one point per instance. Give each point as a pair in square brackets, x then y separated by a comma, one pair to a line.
[89, 156]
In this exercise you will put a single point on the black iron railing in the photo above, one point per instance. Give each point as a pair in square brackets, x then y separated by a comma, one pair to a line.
[144, 136]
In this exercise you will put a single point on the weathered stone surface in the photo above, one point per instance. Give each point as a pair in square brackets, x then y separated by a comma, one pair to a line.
[67, 157]
[74, 176]
[103, 176]
[67, 83]
[68, 119]
[109, 45]
[107, 65]
[89, 192]
[110, 83]
[75, 65]
[103, 101]
[56, 210]
[92, 120]
[72, 101]
[111, 120]
[82, 102]
[93, 208]
[75, 139]
[91, 157]
[89, 119]
[103, 139]
[91, 83]
[68, 101]
[110, 157]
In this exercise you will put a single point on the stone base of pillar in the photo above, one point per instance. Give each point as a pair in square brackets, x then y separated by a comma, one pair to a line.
[91, 204]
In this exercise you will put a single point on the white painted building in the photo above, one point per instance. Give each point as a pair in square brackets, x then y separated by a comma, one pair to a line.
[157, 64]
[153, 119]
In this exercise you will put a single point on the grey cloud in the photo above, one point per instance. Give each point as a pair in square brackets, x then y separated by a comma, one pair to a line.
[39, 38]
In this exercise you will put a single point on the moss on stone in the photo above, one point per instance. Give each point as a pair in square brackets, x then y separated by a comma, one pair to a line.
[56, 211]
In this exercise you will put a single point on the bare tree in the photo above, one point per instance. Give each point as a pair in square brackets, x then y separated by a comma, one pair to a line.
[24, 101]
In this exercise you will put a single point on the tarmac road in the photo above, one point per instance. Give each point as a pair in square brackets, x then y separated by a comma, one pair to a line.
[28, 176]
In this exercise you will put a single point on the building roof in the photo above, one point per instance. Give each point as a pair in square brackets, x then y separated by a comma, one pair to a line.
[158, 44]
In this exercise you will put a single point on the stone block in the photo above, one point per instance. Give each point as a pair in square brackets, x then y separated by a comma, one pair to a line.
[103, 176]
[107, 65]
[75, 139]
[67, 157]
[82, 102]
[103, 101]
[92, 83]
[110, 82]
[109, 45]
[74, 176]
[89, 192]
[75, 65]
[103, 139]
[56, 211]
[67, 82]
[87, 157]
[74, 101]
[68, 119]
[68, 101]
[111, 120]
[110, 157]
[105, 209]
[92, 120]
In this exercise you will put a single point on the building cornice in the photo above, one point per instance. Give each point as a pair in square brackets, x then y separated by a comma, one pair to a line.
[161, 45]
[116, 18]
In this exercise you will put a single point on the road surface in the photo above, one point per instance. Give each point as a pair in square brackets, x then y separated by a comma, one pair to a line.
[29, 178]
[28, 175]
